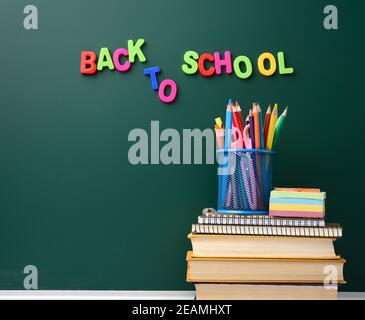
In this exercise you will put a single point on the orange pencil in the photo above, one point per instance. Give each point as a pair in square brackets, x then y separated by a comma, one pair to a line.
[257, 126]
[219, 132]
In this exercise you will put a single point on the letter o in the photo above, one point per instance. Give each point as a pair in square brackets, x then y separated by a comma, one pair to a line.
[161, 91]
[236, 67]
[261, 64]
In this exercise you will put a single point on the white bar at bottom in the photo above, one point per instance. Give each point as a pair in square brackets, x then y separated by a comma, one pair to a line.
[121, 295]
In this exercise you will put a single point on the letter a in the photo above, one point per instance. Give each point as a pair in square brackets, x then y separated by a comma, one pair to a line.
[31, 280]
[31, 20]
[330, 21]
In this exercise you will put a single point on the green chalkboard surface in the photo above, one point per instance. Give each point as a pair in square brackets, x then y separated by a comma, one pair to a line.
[70, 201]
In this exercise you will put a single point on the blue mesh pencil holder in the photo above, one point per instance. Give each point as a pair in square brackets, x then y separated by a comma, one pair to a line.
[244, 181]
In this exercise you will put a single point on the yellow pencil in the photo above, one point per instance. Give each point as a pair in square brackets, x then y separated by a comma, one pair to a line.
[271, 132]
[219, 132]
[219, 122]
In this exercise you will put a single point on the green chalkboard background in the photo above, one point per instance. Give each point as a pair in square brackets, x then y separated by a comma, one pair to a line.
[71, 203]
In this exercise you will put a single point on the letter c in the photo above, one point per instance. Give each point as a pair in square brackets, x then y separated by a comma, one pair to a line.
[121, 67]
[201, 63]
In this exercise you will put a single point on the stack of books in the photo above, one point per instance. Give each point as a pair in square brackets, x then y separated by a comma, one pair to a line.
[264, 257]
[297, 203]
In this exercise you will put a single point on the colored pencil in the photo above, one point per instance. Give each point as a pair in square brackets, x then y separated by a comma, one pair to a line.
[279, 126]
[237, 128]
[227, 145]
[266, 124]
[240, 125]
[261, 161]
[228, 127]
[271, 132]
[252, 129]
[219, 134]
[262, 144]
[219, 122]
[239, 110]
[256, 120]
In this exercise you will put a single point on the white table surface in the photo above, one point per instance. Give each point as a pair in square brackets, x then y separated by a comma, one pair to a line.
[122, 295]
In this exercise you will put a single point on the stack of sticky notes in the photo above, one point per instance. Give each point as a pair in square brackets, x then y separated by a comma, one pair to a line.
[297, 202]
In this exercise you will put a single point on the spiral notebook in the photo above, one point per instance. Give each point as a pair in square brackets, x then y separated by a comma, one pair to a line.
[258, 220]
[329, 231]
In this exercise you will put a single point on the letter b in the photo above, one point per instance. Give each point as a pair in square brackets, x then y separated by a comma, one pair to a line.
[87, 63]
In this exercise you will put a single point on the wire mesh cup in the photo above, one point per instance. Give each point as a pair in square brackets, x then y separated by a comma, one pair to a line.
[244, 181]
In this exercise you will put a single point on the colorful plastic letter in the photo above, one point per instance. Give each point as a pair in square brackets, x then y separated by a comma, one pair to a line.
[226, 62]
[281, 63]
[135, 50]
[152, 73]
[190, 66]
[116, 59]
[261, 64]
[201, 64]
[105, 60]
[173, 91]
[87, 62]
[237, 70]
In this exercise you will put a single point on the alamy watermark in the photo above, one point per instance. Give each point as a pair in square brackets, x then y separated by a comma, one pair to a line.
[330, 22]
[30, 281]
[169, 146]
[30, 21]
[330, 280]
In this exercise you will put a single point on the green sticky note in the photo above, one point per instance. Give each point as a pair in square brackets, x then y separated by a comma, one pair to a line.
[298, 195]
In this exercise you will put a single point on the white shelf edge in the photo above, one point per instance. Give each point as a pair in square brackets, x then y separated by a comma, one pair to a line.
[121, 295]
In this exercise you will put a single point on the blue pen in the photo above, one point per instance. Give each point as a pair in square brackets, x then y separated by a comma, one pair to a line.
[227, 145]
[228, 127]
